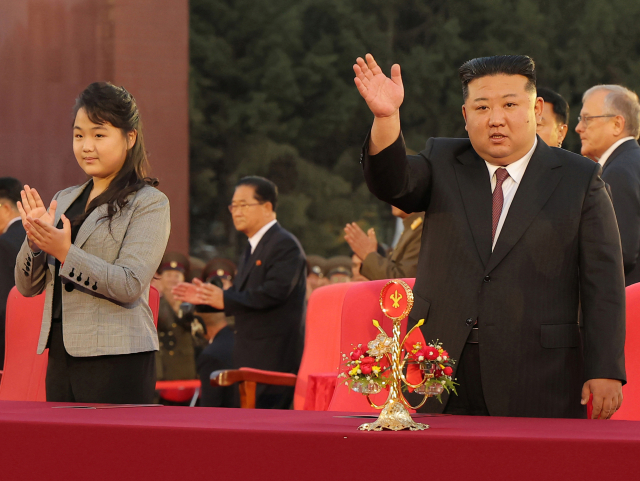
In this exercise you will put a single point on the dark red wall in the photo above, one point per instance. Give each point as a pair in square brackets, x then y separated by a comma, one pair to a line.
[50, 50]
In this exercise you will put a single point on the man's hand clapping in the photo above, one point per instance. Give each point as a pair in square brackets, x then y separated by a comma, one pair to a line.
[361, 244]
[199, 292]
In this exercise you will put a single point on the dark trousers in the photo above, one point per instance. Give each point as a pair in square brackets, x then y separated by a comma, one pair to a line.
[470, 398]
[116, 379]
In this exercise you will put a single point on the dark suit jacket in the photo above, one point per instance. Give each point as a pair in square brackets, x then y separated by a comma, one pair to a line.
[267, 300]
[215, 356]
[622, 172]
[559, 244]
[10, 243]
[402, 261]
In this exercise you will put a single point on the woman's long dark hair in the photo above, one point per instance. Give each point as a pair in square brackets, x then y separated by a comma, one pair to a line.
[104, 102]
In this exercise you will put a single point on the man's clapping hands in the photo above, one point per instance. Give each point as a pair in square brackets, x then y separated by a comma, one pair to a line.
[199, 292]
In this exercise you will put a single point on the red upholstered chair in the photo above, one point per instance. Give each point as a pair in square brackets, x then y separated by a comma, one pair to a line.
[630, 409]
[25, 371]
[362, 305]
[321, 350]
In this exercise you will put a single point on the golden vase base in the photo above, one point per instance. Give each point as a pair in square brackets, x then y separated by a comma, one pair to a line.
[395, 417]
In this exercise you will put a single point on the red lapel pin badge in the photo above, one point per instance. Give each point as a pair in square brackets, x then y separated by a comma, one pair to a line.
[258, 262]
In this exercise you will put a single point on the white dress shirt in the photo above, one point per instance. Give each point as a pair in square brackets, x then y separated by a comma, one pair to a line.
[510, 185]
[255, 239]
[607, 153]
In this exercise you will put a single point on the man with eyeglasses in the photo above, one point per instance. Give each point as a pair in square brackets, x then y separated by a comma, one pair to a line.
[609, 125]
[267, 298]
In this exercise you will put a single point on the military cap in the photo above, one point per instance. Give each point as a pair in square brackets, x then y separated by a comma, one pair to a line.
[174, 261]
[219, 267]
[316, 265]
[339, 265]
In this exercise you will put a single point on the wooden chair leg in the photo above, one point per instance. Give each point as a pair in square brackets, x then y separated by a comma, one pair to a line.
[247, 395]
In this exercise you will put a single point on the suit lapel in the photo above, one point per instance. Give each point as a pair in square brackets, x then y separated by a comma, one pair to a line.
[65, 201]
[475, 189]
[255, 256]
[90, 224]
[538, 183]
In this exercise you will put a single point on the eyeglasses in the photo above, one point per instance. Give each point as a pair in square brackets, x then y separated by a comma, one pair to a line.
[587, 118]
[241, 207]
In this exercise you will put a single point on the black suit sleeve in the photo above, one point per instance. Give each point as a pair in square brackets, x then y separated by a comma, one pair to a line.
[285, 266]
[625, 193]
[602, 291]
[400, 180]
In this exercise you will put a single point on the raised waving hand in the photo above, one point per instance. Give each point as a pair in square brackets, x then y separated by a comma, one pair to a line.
[383, 95]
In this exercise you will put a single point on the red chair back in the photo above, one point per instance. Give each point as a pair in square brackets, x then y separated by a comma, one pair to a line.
[154, 304]
[630, 409]
[24, 373]
[322, 336]
[361, 305]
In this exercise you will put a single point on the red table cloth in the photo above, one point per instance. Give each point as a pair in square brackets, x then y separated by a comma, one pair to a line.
[320, 388]
[40, 442]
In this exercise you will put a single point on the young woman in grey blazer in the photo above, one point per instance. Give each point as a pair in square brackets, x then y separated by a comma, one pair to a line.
[94, 253]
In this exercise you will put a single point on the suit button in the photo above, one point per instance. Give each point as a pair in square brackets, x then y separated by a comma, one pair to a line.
[69, 286]
[469, 322]
[486, 279]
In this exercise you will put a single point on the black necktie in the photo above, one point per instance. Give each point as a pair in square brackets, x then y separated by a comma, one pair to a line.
[245, 257]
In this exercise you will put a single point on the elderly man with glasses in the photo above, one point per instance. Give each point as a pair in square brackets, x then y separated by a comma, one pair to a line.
[267, 298]
[609, 126]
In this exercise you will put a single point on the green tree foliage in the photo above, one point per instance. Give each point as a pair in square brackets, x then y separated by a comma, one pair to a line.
[271, 91]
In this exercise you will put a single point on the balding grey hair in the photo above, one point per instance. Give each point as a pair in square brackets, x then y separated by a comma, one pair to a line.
[620, 101]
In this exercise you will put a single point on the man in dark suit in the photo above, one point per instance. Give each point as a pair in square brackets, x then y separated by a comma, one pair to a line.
[518, 235]
[267, 298]
[11, 237]
[609, 128]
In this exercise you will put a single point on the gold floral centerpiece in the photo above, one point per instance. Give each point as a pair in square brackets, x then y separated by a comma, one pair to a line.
[389, 363]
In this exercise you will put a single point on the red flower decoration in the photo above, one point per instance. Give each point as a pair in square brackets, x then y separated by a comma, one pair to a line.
[355, 355]
[368, 360]
[437, 373]
[448, 371]
[366, 368]
[431, 353]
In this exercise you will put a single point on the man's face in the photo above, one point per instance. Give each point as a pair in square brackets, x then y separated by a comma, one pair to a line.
[600, 133]
[501, 117]
[550, 130]
[6, 214]
[170, 279]
[248, 214]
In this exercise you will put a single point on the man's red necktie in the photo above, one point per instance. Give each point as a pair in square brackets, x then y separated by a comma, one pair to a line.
[498, 200]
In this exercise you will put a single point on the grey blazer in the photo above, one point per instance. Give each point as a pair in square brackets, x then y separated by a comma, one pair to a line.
[105, 310]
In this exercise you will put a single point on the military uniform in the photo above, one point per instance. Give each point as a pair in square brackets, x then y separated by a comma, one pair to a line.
[402, 261]
[176, 358]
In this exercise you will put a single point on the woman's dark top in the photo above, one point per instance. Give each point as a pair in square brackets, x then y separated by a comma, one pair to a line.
[74, 211]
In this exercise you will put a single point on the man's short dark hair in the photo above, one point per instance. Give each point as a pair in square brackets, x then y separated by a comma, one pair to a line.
[10, 189]
[560, 105]
[497, 65]
[265, 190]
